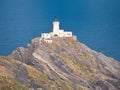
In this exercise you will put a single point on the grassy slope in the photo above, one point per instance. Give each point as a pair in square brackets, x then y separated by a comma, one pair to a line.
[8, 81]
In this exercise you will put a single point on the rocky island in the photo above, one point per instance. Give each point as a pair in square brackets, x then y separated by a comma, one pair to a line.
[58, 61]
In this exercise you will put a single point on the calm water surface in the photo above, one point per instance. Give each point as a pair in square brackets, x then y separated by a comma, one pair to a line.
[96, 23]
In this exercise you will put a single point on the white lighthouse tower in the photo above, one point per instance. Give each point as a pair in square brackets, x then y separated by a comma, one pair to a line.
[56, 26]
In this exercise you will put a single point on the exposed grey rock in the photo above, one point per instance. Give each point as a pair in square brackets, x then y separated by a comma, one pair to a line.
[71, 61]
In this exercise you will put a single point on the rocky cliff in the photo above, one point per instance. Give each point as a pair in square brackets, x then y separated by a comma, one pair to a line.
[64, 64]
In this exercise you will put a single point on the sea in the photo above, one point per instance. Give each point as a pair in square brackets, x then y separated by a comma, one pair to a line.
[95, 23]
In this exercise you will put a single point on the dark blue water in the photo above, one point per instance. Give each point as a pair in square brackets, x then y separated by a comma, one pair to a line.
[95, 22]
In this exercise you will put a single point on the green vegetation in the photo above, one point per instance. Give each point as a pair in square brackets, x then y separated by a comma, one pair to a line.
[8, 58]
[69, 60]
[10, 84]
[63, 85]
[75, 42]
[81, 67]
[77, 68]
[59, 84]
[5, 58]
[35, 74]
[84, 54]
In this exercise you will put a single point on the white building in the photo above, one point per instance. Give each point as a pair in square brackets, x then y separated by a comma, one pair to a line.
[46, 35]
[67, 34]
[57, 32]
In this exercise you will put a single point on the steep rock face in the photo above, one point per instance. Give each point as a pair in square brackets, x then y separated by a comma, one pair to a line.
[71, 61]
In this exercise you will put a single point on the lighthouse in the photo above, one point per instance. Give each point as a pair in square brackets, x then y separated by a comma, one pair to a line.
[56, 24]
[57, 32]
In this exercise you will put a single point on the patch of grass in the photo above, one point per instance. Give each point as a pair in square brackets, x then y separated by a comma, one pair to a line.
[81, 67]
[76, 67]
[60, 84]
[75, 42]
[35, 74]
[7, 83]
[69, 60]
[84, 54]
[63, 85]
[5, 58]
